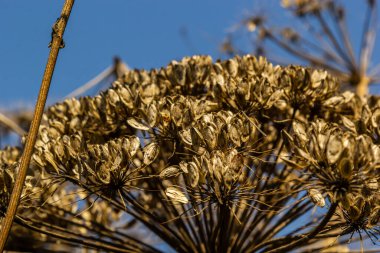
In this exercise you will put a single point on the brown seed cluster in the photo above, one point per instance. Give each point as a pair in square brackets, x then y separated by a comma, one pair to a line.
[205, 157]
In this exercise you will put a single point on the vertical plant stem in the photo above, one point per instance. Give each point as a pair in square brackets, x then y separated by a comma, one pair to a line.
[362, 86]
[59, 28]
[223, 229]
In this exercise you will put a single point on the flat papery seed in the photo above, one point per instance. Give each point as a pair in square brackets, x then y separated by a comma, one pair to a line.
[58, 125]
[183, 166]
[75, 123]
[244, 90]
[186, 136]
[136, 124]
[375, 119]
[134, 145]
[196, 137]
[273, 98]
[59, 150]
[217, 166]
[304, 154]
[50, 159]
[179, 73]
[176, 195]
[152, 115]
[150, 152]
[148, 92]
[316, 197]
[232, 67]
[349, 124]
[346, 167]
[165, 117]
[29, 181]
[333, 101]
[126, 96]
[366, 114]
[300, 132]
[372, 184]
[113, 97]
[322, 139]
[234, 134]
[38, 161]
[171, 171]
[334, 148]
[44, 134]
[317, 78]
[177, 111]
[104, 174]
[104, 152]
[193, 174]
[376, 152]
[116, 163]
[231, 154]
[210, 136]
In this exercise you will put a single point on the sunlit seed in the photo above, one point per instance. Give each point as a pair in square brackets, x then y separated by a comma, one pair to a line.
[171, 171]
[150, 152]
[152, 114]
[372, 184]
[183, 166]
[316, 197]
[185, 136]
[126, 96]
[193, 174]
[134, 145]
[334, 148]
[133, 122]
[176, 195]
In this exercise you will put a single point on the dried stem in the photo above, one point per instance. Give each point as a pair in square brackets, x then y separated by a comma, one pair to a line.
[11, 125]
[362, 86]
[59, 28]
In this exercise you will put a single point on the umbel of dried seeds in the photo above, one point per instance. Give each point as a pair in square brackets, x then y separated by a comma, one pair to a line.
[204, 156]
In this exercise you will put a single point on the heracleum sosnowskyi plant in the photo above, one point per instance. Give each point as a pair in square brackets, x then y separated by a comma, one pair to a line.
[321, 38]
[203, 156]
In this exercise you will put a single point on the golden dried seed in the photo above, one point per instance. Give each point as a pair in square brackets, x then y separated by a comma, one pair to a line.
[134, 145]
[334, 148]
[372, 184]
[176, 195]
[171, 171]
[316, 197]
[150, 152]
[185, 136]
[193, 175]
[136, 124]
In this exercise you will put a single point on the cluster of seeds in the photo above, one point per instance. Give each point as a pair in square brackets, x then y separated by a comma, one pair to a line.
[207, 157]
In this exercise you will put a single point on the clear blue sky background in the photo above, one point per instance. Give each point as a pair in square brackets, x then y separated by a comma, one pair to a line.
[144, 33]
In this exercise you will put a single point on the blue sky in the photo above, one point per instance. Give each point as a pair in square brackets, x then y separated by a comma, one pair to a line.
[144, 33]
